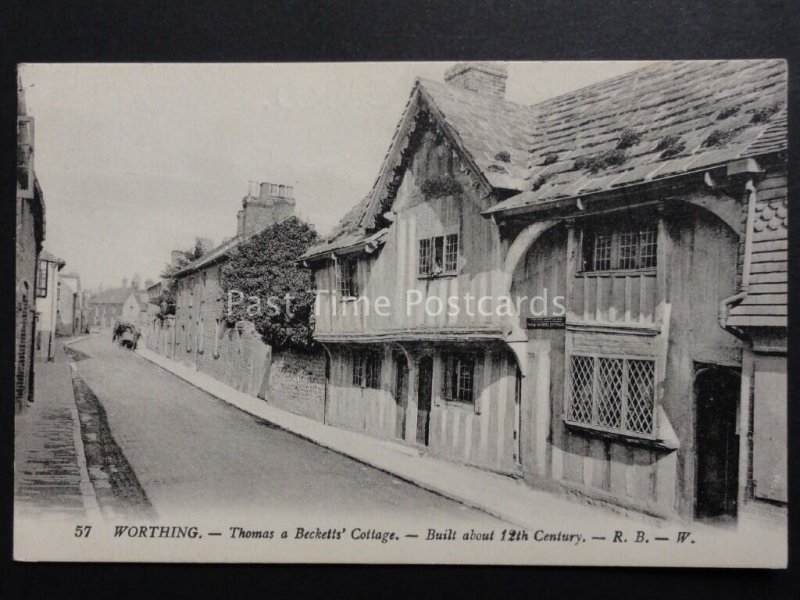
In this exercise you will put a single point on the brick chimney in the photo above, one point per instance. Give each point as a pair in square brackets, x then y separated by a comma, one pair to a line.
[239, 223]
[481, 77]
[274, 203]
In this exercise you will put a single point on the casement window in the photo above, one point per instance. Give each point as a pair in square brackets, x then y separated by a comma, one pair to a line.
[25, 173]
[607, 247]
[438, 255]
[458, 380]
[41, 280]
[348, 278]
[613, 394]
[367, 369]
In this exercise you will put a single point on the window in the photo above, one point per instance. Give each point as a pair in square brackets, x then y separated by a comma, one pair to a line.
[41, 280]
[615, 394]
[25, 173]
[458, 383]
[217, 334]
[609, 249]
[367, 369]
[201, 338]
[348, 273]
[438, 255]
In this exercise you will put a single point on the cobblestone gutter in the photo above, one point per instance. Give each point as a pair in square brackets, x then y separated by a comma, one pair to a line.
[118, 491]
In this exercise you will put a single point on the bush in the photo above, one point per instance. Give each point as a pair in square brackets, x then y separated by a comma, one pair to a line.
[265, 266]
[503, 156]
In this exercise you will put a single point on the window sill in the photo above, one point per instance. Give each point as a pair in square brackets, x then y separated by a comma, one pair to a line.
[617, 272]
[625, 437]
[457, 404]
[445, 275]
[349, 298]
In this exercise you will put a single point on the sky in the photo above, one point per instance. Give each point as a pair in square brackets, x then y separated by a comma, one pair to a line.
[136, 160]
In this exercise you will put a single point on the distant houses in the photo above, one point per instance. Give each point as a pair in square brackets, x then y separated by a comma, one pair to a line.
[125, 303]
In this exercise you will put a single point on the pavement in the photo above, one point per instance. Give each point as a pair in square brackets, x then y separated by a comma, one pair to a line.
[506, 498]
[50, 475]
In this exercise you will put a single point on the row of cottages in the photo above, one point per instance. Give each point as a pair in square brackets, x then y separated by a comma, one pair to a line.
[30, 229]
[612, 267]
[200, 336]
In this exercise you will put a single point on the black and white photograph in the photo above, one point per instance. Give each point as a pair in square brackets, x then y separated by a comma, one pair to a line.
[452, 312]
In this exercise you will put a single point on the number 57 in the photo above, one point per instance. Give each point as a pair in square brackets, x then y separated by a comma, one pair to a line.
[82, 530]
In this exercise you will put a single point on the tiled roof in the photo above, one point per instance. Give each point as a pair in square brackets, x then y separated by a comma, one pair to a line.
[221, 251]
[677, 117]
[711, 112]
[487, 126]
[45, 255]
[492, 131]
[766, 302]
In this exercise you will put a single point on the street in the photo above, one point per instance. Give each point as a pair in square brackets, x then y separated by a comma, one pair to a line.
[193, 454]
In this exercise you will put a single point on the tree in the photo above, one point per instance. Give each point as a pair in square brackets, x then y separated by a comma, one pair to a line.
[166, 299]
[265, 267]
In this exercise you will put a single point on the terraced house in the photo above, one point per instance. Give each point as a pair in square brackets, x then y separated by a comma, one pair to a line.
[200, 335]
[628, 241]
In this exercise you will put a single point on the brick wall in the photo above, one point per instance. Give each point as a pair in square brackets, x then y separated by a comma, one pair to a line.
[26, 258]
[297, 383]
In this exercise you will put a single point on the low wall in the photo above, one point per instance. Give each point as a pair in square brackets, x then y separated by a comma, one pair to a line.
[290, 380]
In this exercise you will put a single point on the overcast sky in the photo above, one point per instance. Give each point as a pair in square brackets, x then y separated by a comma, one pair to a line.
[137, 159]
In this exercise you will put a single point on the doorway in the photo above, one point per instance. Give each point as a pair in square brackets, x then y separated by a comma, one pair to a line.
[424, 392]
[400, 396]
[716, 443]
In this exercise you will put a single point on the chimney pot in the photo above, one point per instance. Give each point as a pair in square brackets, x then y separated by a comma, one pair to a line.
[485, 78]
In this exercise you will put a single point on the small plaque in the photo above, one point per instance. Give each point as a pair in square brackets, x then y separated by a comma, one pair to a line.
[546, 322]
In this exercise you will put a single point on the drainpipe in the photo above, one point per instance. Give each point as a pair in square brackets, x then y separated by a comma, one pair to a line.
[730, 302]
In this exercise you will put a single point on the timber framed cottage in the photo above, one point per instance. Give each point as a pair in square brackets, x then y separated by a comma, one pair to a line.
[613, 267]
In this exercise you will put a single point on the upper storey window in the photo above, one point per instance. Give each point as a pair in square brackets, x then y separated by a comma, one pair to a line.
[438, 255]
[624, 245]
[348, 278]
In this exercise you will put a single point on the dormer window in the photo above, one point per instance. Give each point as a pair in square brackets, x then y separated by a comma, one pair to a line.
[438, 255]
[620, 244]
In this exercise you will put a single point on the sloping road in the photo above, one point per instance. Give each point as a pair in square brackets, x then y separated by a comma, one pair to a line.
[192, 453]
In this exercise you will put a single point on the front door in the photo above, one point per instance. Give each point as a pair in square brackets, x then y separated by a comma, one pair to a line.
[424, 392]
[401, 396]
[717, 391]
